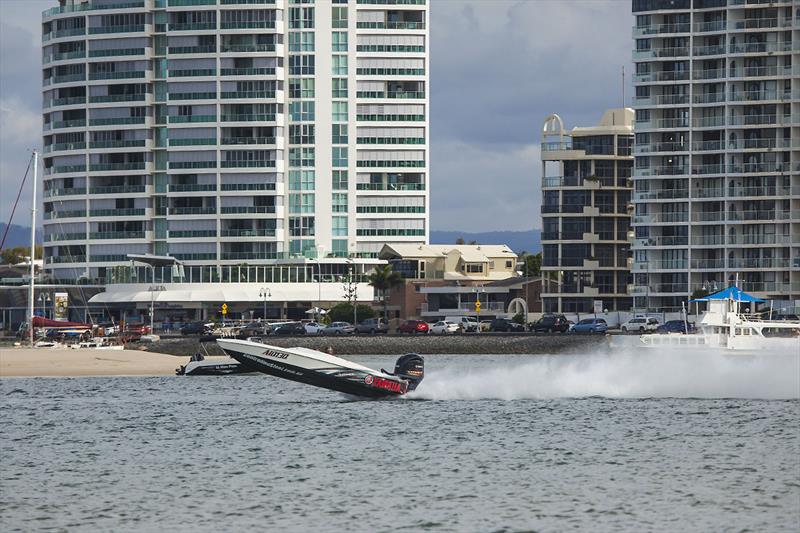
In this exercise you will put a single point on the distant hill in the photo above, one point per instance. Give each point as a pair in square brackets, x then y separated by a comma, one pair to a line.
[18, 235]
[519, 241]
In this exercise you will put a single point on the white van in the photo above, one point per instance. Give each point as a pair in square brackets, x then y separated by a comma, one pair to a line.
[467, 323]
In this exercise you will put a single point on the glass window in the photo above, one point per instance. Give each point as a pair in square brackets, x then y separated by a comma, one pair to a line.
[339, 65]
[301, 17]
[339, 17]
[340, 180]
[339, 202]
[301, 134]
[339, 133]
[339, 88]
[340, 111]
[339, 227]
[339, 41]
[301, 203]
[339, 156]
[301, 41]
[339, 247]
[302, 111]
[301, 157]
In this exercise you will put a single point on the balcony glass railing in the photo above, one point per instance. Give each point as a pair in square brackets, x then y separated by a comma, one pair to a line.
[193, 26]
[177, 165]
[117, 235]
[129, 143]
[116, 121]
[248, 118]
[247, 48]
[95, 5]
[128, 28]
[389, 232]
[61, 147]
[212, 210]
[68, 78]
[192, 49]
[76, 213]
[248, 25]
[192, 187]
[59, 237]
[101, 167]
[66, 169]
[391, 118]
[72, 100]
[248, 209]
[248, 140]
[117, 75]
[390, 140]
[247, 233]
[232, 187]
[66, 259]
[123, 212]
[177, 119]
[112, 52]
[53, 193]
[193, 96]
[390, 209]
[192, 142]
[192, 72]
[118, 189]
[103, 98]
[186, 234]
[268, 163]
[391, 25]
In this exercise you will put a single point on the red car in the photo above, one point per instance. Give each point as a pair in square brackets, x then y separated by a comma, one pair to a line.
[137, 329]
[413, 327]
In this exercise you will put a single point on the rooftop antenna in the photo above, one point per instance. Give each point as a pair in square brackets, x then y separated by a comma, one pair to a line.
[623, 86]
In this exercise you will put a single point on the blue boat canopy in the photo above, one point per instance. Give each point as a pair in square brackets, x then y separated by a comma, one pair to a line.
[731, 293]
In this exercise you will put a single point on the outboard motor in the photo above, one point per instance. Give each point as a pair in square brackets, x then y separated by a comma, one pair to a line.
[410, 367]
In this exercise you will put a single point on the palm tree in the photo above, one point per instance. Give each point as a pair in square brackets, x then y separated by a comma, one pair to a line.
[384, 278]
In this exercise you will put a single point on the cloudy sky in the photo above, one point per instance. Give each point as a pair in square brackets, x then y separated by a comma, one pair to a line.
[498, 67]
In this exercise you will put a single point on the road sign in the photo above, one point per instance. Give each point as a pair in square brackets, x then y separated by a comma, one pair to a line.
[477, 306]
[224, 309]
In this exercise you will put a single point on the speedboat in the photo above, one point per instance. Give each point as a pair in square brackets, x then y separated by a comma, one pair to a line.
[221, 366]
[327, 371]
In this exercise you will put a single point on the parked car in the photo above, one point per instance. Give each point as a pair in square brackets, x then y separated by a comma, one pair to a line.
[137, 329]
[338, 328]
[254, 329]
[314, 328]
[675, 326]
[109, 328]
[640, 324]
[505, 324]
[195, 328]
[413, 327]
[468, 323]
[373, 325]
[589, 325]
[289, 328]
[550, 323]
[443, 327]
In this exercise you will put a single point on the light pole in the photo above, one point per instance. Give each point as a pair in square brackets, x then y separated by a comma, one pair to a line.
[265, 293]
[478, 291]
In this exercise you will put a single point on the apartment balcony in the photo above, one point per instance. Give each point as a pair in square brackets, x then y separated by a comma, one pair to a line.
[249, 164]
[247, 48]
[762, 240]
[709, 98]
[64, 237]
[758, 191]
[59, 193]
[263, 71]
[248, 25]
[390, 186]
[58, 215]
[124, 74]
[128, 143]
[117, 121]
[708, 169]
[708, 216]
[708, 122]
[712, 50]
[248, 210]
[710, 74]
[708, 240]
[124, 212]
[247, 187]
[760, 168]
[192, 234]
[108, 235]
[193, 142]
[760, 48]
[56, 259]
[709, 192]
[63, 147]
[247, 233]
[76, 8]
[391, 25]
[119, 189]
[760, 144]
[678, 51]
[708, 146]
[660, 147]
[118, 52]
[754, 23]
[177, 50]
[248, 95]
[126, 28]
[207, 210]
[59, 102]
[183, 119]
[192, 73]
[708, 264]
[65, 169]
[250, 256]
[248, 118]
[192, 187]
[760, 72]
[663, 194]
[113, 98]
[191, 165]
[193, 96]
[666, 264]
[762, 214]
[206, 256]
[764, 262]
[194, 26]
[713, 26]
[114, 167]
[657, 29]
[661, 288]
[758, 96]
[663, 241]
[661, 218]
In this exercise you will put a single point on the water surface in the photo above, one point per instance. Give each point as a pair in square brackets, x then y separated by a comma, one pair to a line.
[490, 444]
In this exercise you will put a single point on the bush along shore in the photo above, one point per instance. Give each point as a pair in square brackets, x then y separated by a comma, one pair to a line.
[397, 344]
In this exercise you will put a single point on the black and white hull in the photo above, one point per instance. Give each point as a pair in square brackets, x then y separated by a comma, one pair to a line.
[327, 371]
[212, 367]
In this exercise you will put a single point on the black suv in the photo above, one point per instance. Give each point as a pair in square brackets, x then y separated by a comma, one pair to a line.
[551, 323]
[290, 328]
[195, 328]
[505, 324]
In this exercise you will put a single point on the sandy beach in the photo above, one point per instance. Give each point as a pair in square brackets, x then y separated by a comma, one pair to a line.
[47, 362]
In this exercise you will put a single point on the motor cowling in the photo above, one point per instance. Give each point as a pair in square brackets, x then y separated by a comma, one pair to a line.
[410, 367]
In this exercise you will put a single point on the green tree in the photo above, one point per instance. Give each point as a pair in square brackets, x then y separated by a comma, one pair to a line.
[343, 312]
[12, 256]
[531, 264]
[383, 279]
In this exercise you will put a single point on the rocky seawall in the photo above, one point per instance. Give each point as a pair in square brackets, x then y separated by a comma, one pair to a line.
[484, 343]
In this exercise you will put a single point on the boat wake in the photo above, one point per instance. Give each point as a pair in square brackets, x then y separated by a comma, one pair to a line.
[650, 373]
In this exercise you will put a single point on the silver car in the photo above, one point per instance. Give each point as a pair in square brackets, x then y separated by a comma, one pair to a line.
[338, 328]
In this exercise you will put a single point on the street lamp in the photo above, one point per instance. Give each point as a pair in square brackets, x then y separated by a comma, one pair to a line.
[265, 293]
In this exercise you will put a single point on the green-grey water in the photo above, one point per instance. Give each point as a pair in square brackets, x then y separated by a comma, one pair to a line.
[486, 444]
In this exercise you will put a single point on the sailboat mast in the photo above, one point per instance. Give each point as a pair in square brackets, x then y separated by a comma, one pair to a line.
[31, 298]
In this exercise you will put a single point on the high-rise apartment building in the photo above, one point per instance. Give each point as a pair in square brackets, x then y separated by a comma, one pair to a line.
[586, 193]
[717, 150]
[223, 132]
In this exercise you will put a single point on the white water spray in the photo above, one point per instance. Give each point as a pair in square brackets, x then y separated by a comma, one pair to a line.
[649, 373]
